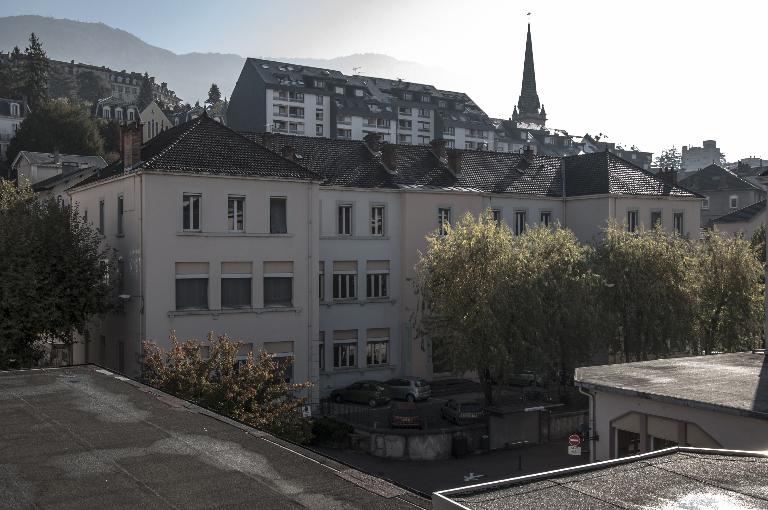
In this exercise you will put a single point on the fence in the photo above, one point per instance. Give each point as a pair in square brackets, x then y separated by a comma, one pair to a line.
[561, 425]
[378, 417]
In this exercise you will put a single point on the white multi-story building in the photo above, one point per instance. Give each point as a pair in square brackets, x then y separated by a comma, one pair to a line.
[12, 113]
[307, 246]
[696, 158]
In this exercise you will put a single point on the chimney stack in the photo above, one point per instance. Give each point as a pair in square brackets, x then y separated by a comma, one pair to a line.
[373, 142]
[454, 162]
[389, 157]
[289, 152]
[131, 136]
[56, 157]
[668, 175]
[528, 154]
[437, 146]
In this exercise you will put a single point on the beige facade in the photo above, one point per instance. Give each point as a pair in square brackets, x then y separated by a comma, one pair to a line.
[154, 121]
[156, 251]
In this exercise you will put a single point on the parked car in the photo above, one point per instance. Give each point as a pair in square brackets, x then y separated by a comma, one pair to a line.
[461, 412]
[405, 415]
[524, 379]
[409, 388]
[372, 393]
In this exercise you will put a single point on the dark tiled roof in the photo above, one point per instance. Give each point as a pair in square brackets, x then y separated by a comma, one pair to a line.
[678, 477]
[74, 175]
[601, 173]
[743, 214]
[716, 178]
[47, 158]
[204, 146]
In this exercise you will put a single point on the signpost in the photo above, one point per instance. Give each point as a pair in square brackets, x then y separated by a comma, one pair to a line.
[574, 444]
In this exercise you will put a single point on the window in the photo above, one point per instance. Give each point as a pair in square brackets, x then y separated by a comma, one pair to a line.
[235, 213]
[14, 110]
[191, 211]
[319, 113]
[424, 113]
[119, 114]
[321, 281]
[345, 220]
[344, 134]
[278, 284]
[344, 279]
[377, 278]
[469, 145]
[496, 215]
[236, 284]
[319, 98]
[359, 92]
[345, 348]
[403, 110]
[631, 221]
[340, 90]
[407, 96]
[443, 220]
[321, 351]
[449, 130]
[424, 126]
[545, 218]
[278, 221]
[377, 346]
[733, 201]
[520, 222]
[403, 138]
[705, 203]
[319, 130]
[377, 220]
[656, 219]
[405, 124]
[677, 219]
[191, 286]
[101, 216]
[425, 99]
[130, 114]
[120, 215]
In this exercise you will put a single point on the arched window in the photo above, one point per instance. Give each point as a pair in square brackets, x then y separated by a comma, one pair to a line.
[119, 114]
[130, 114]
[107, 113]
[14, 110]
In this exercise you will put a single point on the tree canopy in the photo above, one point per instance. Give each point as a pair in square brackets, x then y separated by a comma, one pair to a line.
[145, 93]
[57, 126]
[670, 159]
[214, 95]
[54, 276]
[35, 72]
[253, 391]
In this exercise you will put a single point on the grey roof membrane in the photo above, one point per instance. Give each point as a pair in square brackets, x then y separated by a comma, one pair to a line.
[85, 438]
[678, 479]
[735, 383]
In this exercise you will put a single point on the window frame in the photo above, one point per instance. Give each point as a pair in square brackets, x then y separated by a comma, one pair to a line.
[286, 276]
[382, 220]
[521, 226]
[235, 199]
[102, 216]
[191, 196]
[660, 219]
[678, 217]
[496, 215]
[284, 200]
[378, 282]
[237, 276]
[120, 212]
[633, 220]
[346, 280]
[733, 202]
[443, 217]
[545, 213]
[705, 203]
[344, 222]
[200, 276]
[349, 345]
[372, 342]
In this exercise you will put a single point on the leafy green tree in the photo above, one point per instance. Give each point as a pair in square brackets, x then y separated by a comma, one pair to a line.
[91, 88]
[254, 392]
[727, 295]
[55, 125]
[670, 159]
[11, 85]
[35, 72]
[646, 304]
[54, 275]
[145, 93]
[110, 133]
[214, 95]
[758, 243]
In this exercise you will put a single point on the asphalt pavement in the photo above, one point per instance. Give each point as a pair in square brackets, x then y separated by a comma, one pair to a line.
[429, 476]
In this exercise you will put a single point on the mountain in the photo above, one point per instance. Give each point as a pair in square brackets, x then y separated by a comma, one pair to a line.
[190, 74]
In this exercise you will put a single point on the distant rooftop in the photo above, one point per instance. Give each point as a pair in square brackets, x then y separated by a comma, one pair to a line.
[731, 383]
[47, 158]
[85, 438]
[673, 479]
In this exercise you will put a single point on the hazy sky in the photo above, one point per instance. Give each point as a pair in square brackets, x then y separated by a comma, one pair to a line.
[648, 73]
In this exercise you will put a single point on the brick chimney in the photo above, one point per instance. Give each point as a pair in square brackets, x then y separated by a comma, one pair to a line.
[668, 175]
[529, 154]
[454, 162]
[389, 157]
[437, 146]
[131, 136]
[373, 142]
[289, 152]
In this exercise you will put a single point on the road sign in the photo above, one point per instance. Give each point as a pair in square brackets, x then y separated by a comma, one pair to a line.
[574, 450]
[574, 440]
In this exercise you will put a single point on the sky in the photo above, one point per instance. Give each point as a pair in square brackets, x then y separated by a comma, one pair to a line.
[648, 73]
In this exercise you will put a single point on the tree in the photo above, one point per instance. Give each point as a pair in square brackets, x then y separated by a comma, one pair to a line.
[145, 93]
[758, 243]
[35, 73]
[110, 133]
[91, 88]
[11, 75]
[254, 392]
[214, 95]
[670, 159]
[54, 276]
[646, 303]
[728, 300]
[57, 126]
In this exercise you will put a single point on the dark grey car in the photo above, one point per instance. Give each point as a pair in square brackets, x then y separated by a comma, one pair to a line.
[409, 388]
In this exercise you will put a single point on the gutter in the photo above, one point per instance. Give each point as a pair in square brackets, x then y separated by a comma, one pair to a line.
[592, 421]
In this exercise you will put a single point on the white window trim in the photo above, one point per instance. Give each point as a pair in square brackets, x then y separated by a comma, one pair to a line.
[524, 225]
[351, 207]
[191, 214]
[440, 223]
[383, 219]
[236, 275]
[705, 203]
[242, 211]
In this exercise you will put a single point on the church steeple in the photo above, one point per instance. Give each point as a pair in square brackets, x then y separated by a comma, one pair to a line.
[528, 106]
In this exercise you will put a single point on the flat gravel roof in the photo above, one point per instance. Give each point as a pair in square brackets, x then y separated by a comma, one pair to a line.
[85, 438]
[733, 383]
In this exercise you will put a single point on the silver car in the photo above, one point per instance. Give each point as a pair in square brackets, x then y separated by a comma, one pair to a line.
[409, 388]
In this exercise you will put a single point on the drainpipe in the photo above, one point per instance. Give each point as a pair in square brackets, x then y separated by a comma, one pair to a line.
[562, 173]
[310, 295]
[591, 423]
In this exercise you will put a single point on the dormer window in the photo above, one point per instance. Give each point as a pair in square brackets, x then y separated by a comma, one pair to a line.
[359, 92]
[407, 96]
[425, 99]
[340, 90]
[14, 110]
[320, 84]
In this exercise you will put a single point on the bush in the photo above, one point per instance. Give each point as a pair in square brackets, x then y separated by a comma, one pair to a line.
[329, 431]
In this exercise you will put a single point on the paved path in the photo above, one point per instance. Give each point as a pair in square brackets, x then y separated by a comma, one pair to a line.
[430, 476]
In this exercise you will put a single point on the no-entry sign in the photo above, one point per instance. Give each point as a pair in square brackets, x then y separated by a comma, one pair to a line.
[574, 440]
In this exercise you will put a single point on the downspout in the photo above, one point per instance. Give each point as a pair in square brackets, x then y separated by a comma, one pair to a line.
[591, 423]
[562, 173]
[142, 285]
[310, 295]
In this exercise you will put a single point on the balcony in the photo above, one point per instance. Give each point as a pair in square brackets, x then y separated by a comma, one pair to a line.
[289, 99]
[296, 115]
[424, 130]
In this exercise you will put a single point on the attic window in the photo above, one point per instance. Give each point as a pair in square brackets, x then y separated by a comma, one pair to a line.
[359, 92]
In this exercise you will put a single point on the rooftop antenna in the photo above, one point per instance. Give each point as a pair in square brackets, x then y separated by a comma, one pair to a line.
[356, 70]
